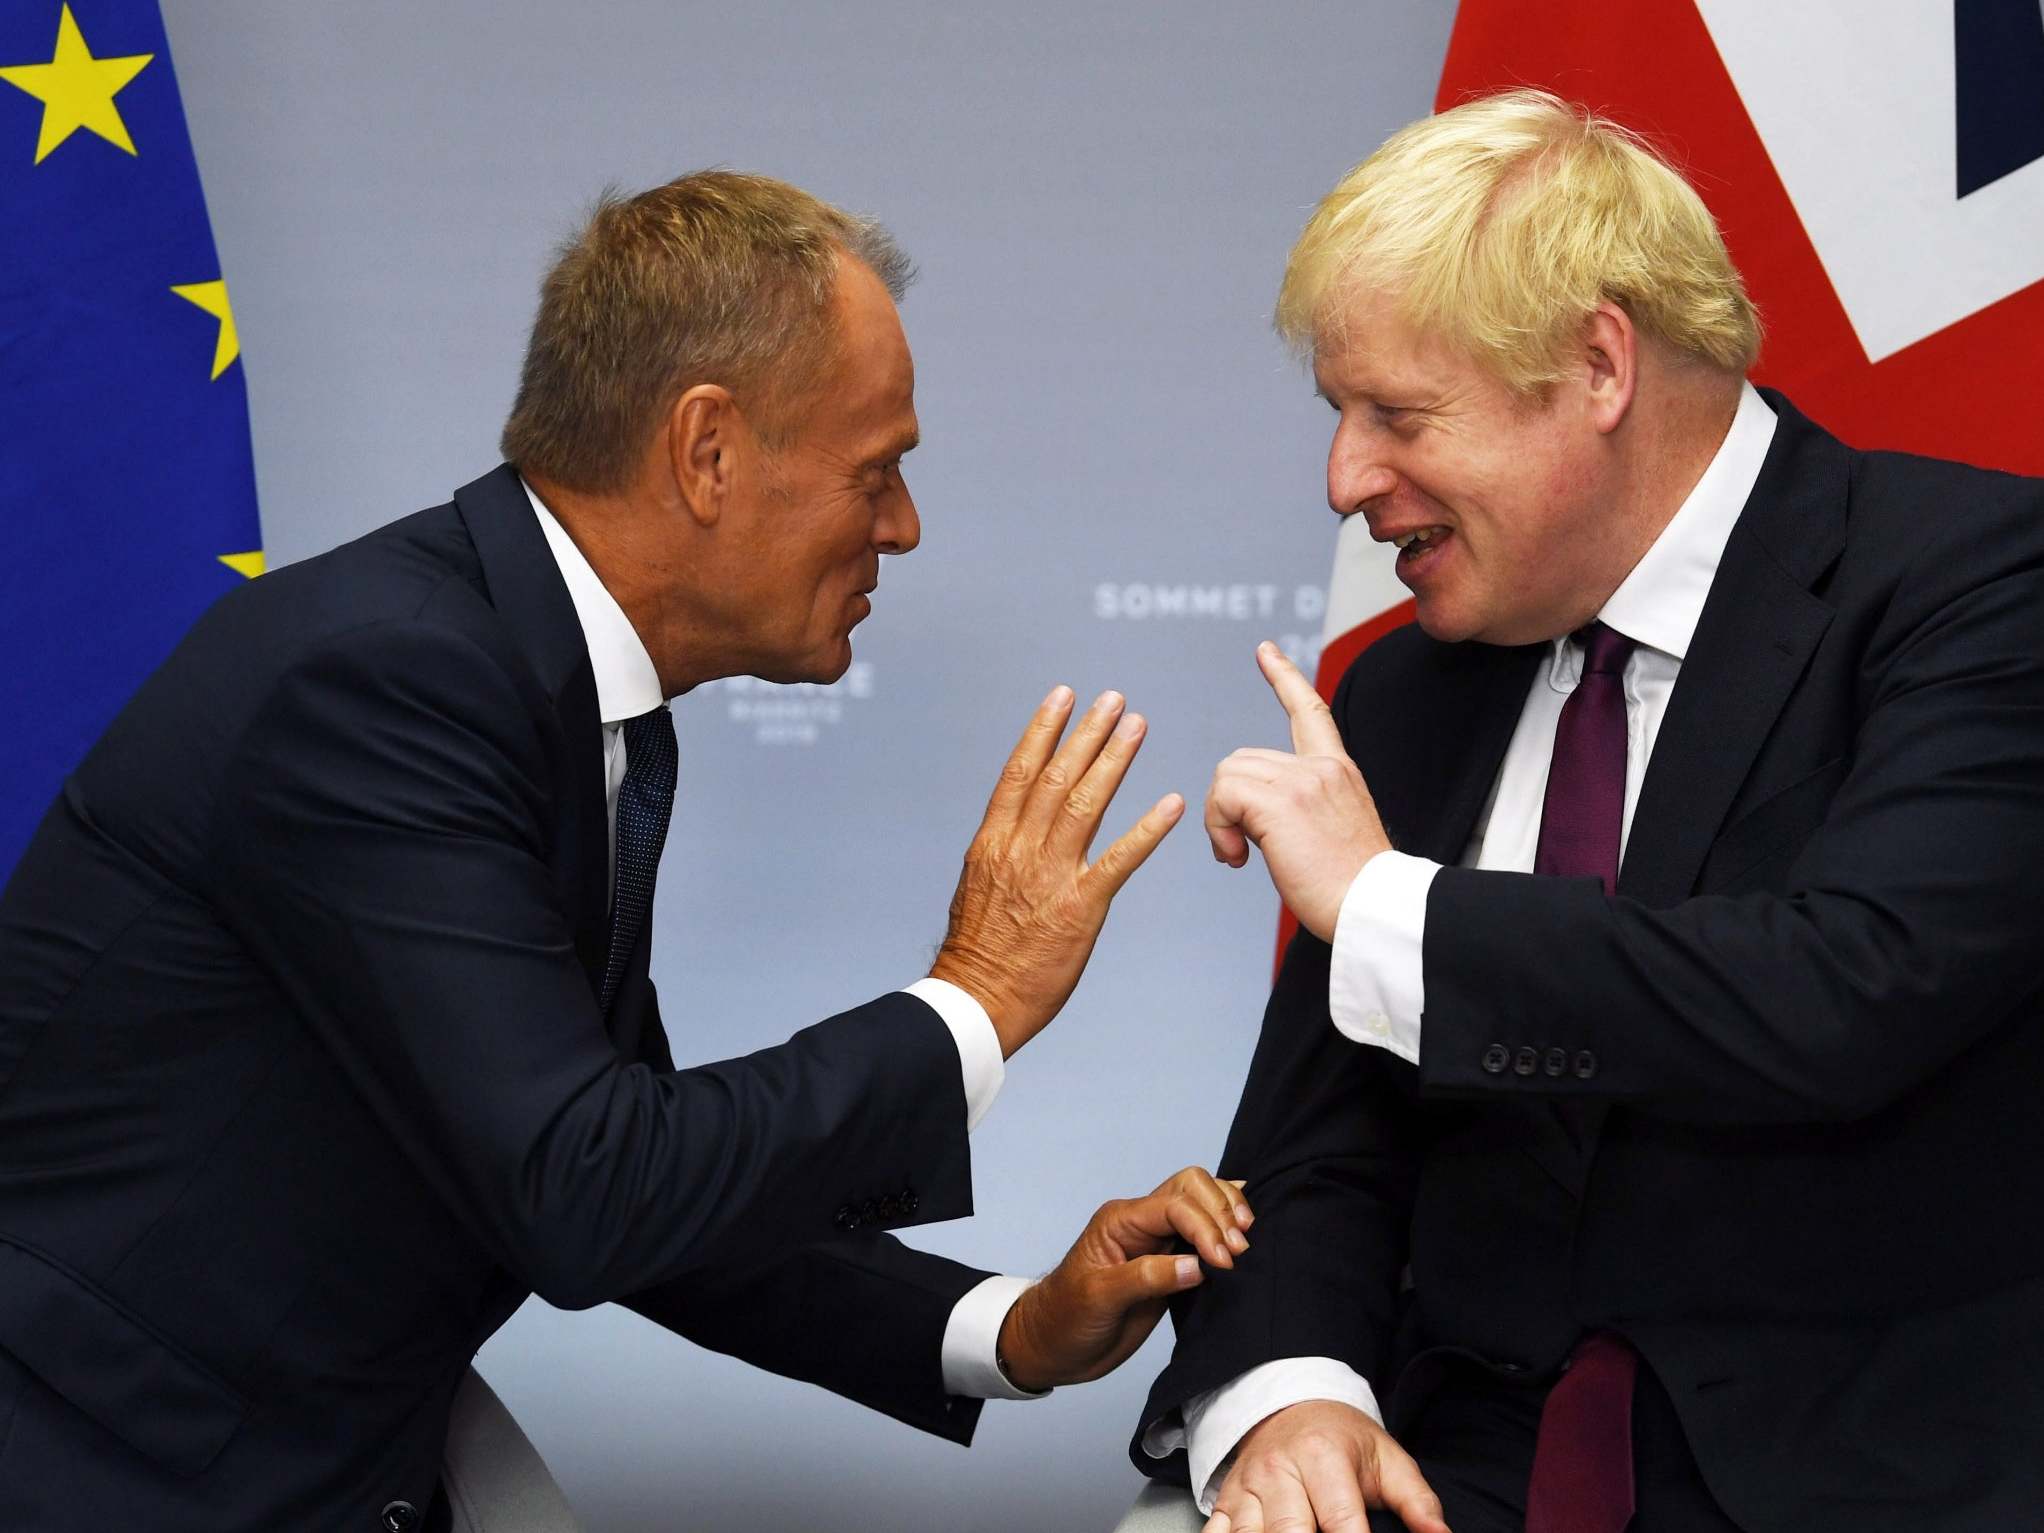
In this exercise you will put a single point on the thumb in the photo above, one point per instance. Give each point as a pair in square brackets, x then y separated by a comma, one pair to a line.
[1124, 1286]
[1403, 1489]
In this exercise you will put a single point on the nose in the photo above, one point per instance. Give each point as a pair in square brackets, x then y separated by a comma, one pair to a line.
[897, 529]
[1356, 471]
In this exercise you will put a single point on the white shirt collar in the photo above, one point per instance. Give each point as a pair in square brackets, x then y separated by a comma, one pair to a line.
[626, 683]
[1660, 603]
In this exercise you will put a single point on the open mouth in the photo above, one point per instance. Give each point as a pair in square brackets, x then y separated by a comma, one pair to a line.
[1419, 550]
[1412, 545]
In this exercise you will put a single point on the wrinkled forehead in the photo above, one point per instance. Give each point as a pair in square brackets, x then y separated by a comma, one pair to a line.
[1362, 339]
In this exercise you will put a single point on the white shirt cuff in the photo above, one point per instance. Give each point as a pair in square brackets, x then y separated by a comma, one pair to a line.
[1215, 1423]
[979, 1047]
[972, 1341]
[1376, 985]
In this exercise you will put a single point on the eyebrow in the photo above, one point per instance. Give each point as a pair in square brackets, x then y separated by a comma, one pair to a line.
[899, 447]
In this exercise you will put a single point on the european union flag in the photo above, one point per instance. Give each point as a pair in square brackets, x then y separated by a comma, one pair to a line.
[127, 489]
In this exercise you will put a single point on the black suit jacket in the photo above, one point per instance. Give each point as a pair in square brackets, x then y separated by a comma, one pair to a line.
[304, 1086]
[1772, 1111]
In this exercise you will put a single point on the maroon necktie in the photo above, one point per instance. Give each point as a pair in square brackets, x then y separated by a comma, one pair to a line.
[1584, 813]
[1582, 1460]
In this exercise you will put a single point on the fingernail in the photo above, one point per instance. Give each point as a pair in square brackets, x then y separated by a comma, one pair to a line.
[1106, 702]
[1059, 696]
[1266, 648]
[1244, 1216]
[1187, 1270]
[1130, 726]
[1236, 1241]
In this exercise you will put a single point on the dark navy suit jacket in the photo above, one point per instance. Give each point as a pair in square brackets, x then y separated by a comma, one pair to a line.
[1773, 1111]
[304, 1086]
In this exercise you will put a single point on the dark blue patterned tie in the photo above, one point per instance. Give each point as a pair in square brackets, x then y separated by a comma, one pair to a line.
[644, 800]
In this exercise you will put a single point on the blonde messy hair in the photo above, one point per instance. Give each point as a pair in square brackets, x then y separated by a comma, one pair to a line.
[1499, 225]
[718, 277]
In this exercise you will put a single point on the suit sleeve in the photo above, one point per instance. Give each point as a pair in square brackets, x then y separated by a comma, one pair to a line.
[1906, 928]
[863, 1316]
[384, 856]
[1325, 1136]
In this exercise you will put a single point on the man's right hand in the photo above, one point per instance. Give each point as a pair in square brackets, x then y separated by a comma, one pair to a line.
[1029, 907]
[1321, 1464]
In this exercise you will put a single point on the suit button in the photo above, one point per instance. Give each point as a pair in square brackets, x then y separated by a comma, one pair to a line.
[1527, 1062]
[869, 1211]
[400, 1517]
[889, 1209]
[1586, 1065]
[1495, 1058]
[909, 1203]
[1556, 1062]
[848, 1218]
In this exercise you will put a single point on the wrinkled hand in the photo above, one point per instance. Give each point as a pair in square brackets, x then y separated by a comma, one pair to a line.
[1321, 1464]
[1309, 812]
[1029, 908]
[1103, 1300]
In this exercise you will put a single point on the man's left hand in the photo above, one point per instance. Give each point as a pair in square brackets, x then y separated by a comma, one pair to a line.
[1102, 1301]
[1309, 812]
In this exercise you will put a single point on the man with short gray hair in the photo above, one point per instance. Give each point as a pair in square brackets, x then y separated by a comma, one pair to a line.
[326, 1028]
[1642, 1130]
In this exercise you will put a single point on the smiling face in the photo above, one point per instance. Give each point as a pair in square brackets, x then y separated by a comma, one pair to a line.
[1505, 506]
[810, 519]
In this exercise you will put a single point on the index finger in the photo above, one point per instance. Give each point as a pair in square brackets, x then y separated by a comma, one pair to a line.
[1313, 730]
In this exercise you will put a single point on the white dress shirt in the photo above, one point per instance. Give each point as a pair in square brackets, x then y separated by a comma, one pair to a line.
[627, 686]
[1376, 990]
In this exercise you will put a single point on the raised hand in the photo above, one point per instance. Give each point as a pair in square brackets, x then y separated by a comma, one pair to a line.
[1321, 1464]
[1309, 812]
[1102, 1301]
[1029, 906]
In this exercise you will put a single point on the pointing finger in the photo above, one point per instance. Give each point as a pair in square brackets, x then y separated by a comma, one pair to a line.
[1313, 729]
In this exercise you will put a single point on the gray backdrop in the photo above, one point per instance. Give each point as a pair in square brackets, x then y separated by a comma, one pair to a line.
[1121, 485]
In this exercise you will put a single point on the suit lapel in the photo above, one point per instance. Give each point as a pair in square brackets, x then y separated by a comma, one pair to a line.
[1759, 628]
[525, 586]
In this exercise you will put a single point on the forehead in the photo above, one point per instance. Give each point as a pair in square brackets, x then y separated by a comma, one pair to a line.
[1366, 345]
[872, 392]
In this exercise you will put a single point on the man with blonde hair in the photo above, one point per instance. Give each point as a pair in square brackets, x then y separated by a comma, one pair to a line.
[1643, 1127]
[326, 1028]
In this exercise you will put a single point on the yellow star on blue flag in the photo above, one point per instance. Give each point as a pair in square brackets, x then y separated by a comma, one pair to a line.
[127, 486]
[76, 89]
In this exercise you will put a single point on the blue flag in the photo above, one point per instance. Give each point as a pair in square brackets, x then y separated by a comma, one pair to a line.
[127, 488]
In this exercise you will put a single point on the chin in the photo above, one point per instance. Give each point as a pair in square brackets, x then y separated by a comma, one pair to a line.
[1444, 624]
[831, 663]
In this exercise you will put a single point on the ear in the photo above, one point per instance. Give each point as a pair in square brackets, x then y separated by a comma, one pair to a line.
[703, 429]
[1610, 360]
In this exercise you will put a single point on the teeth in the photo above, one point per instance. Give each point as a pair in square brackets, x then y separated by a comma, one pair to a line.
[1424, 534]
